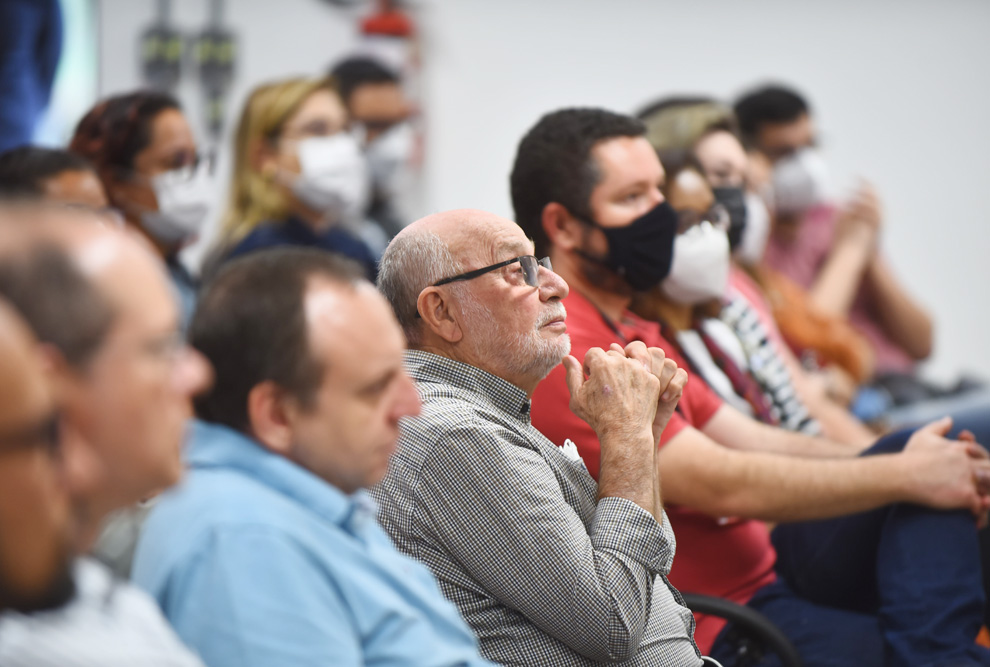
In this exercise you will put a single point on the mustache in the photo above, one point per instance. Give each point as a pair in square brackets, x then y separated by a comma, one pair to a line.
[556, 312]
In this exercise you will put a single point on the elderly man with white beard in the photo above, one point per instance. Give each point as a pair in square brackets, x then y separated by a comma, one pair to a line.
[546, 566]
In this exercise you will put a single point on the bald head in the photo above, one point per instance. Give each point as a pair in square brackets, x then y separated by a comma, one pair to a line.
[101, 298]
[435, 247]
[43, 282]
[464, 229]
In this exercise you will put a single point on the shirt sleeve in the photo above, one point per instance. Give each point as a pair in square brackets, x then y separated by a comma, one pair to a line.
[698, 403]
[499, 510]
[247, 600]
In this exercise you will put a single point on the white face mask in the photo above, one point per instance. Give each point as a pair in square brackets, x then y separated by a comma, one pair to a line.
[700, 269]
[755, 233]
[183, 201]
[388, 157]
[334, 177]
[800, 181]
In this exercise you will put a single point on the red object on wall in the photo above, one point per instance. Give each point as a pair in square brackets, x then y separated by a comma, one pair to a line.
[389, 20]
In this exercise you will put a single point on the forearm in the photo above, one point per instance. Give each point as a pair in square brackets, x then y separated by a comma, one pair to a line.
[781, 488]
[629, 471]
[733, 430]
[580, 569]
[838, 281]
[903, 320]
[838, 424]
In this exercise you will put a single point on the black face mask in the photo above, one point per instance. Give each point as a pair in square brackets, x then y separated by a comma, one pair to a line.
[734, 201]
[641, 252]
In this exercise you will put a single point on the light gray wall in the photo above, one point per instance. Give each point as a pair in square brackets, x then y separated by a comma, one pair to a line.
[899, 88]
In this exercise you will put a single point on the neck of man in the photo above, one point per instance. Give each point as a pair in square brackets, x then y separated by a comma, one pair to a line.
[462, 354]
[608, 292]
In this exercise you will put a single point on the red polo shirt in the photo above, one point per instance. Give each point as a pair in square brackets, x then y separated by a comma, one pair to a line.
[729, 558]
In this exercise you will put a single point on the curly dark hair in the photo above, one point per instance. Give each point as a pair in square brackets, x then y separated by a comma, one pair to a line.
[113, 132]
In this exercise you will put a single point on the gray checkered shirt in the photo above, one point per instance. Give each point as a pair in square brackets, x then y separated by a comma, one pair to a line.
[543, 572]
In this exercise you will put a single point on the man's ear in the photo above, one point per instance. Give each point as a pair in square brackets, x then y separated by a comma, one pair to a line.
[269, 417]
[67, 381]
[562, 228]
[435, 308]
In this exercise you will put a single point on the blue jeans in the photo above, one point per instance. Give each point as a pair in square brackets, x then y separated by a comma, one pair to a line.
[900, 585]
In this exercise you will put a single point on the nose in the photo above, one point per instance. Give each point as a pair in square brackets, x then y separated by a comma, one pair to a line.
[552, 286]
[656, 197]
[193, 374]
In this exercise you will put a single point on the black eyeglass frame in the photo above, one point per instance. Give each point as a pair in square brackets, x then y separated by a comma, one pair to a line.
[531, 269]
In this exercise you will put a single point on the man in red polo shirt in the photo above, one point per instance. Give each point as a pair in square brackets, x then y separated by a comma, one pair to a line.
[880, 549]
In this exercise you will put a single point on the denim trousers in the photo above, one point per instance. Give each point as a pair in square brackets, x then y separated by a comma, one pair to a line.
[900, 585]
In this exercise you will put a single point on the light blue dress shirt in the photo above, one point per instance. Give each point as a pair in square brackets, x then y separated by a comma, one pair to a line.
[257, 562]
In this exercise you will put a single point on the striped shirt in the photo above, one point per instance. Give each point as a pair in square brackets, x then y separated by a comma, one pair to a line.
[543, 572]
[765, 366]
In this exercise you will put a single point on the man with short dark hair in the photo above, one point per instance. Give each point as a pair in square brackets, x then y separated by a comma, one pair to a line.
[844, 555]
[270, 554]
[36, 173]
[377, 106]
[372, 93]
[830, 247]
[548, 567]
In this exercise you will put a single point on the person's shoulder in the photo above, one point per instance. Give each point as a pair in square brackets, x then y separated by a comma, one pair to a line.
[127, 604]
[265, 235]
[109, 622]
[222, 496]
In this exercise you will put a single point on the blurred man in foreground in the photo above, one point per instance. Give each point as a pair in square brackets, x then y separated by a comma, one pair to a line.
[269, 554]
[100, 302]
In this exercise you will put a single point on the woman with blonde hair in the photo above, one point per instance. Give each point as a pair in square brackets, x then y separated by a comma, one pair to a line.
[299, 175]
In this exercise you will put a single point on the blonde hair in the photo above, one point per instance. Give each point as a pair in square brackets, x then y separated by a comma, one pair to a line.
[254, 196]
[675, 125]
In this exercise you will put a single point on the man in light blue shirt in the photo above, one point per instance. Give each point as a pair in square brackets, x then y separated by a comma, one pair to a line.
[269, 553]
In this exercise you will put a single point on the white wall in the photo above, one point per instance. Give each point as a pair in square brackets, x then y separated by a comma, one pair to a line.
[276, 39]
[899, 88]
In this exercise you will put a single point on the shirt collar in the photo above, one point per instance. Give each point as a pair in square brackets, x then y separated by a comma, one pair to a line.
[215, 446]
[507, 397]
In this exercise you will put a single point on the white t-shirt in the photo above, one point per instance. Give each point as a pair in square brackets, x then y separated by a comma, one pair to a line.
[110, 623]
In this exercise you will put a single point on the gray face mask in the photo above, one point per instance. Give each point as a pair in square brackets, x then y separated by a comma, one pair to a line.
[800, 182]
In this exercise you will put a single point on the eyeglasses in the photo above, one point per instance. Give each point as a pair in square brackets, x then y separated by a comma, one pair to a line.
[717, 216]
[44, 434]
[530, 267]
[182, 167]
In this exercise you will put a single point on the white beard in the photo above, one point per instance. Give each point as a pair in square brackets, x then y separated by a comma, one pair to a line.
[511, 353]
